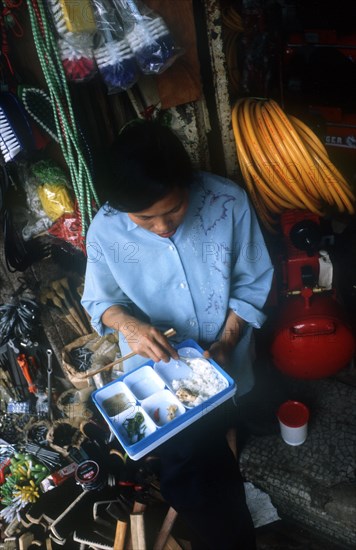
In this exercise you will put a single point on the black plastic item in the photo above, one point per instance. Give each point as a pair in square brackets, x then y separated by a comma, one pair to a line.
[308, 276]
[18, 320]
[4, 184]
[306, 235]
[20, 255]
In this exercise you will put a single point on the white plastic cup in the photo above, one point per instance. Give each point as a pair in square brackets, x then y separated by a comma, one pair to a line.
[293, 419]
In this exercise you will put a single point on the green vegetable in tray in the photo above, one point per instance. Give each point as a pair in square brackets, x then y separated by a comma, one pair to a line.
[135, 427]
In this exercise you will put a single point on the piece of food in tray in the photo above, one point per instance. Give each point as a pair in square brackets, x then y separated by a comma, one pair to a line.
[171, 412]
[187, 397]
[203, 382]
[116, 404]
[163, 407]
[135, 427]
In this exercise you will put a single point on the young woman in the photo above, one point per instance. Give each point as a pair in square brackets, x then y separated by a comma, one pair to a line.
[175, 247]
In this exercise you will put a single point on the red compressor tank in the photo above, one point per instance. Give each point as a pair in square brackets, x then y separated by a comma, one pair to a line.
[311, 337]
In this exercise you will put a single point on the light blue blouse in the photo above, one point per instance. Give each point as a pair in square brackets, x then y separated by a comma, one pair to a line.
[216, 260]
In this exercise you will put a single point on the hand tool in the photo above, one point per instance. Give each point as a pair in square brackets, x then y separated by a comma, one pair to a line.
[48, 295]
[75, 299]
[24, 366]
[68, 306]
[165, 530]
[49, 383]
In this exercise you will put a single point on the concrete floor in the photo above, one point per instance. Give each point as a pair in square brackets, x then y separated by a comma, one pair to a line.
[285, 535]
[312, 485]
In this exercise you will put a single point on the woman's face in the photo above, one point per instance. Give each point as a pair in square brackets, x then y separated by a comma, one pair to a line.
[165, 215]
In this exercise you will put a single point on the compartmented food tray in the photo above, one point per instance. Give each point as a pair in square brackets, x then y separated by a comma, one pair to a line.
[149, 405]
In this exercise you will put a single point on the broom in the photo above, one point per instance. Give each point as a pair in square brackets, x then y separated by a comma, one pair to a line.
[148, 37]
[114, 58]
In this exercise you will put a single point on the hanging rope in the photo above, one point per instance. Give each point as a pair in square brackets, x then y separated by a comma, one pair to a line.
[67, 132]
[284, 164]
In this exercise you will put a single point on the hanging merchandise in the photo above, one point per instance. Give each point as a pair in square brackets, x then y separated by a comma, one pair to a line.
[115, 60]
[148, 36]
[15, 130]
[37, 220]
[38, 105]
[66, 126]
[18, 320]
[284, 164]
[4, 184]
[233, 27]
[9, 23]
[75, 26]
[51, 208]
[67, 229]
[52, 188]
[18, 254]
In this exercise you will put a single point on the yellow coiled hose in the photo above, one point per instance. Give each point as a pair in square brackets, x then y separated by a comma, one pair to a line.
[284, 164]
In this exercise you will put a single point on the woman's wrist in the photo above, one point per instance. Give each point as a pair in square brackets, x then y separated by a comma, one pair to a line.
[117, 318]
[232, 331]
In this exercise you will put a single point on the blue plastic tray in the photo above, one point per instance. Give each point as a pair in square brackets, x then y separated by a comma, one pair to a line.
[149, 389]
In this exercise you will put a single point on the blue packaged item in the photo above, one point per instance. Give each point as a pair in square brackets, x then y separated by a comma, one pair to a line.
[148, 36]
[115, 60]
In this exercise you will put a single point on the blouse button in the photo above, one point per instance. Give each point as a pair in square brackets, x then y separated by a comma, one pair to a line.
[183, 285]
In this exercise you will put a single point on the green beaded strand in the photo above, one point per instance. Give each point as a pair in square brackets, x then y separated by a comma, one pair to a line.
[48, 54]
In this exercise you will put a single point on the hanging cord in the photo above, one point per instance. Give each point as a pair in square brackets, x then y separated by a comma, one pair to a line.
[284, 164]
[233, 24]
[48, 54]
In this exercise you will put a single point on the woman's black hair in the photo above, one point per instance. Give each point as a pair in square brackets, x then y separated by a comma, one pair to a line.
[146, 162]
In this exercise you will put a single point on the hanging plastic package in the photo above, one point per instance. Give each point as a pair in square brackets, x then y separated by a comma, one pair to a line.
[75, 26]
[67, 228]
[53, 189]
[148, 36]
[37, 220]
[48, 197]
[115, 60]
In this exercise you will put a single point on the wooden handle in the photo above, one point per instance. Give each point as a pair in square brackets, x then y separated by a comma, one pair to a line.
[137, 532]
[120, 533]
[170, 332]
[165, 530]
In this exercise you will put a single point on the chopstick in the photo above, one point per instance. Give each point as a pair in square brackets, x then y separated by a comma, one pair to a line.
[170, 332]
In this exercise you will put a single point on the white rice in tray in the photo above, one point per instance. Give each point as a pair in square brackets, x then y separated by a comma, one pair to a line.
[204, 382]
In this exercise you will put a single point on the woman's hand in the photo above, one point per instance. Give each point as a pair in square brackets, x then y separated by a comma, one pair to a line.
[143, 338]
[148, 341]
[221, 353]
[221, 350]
